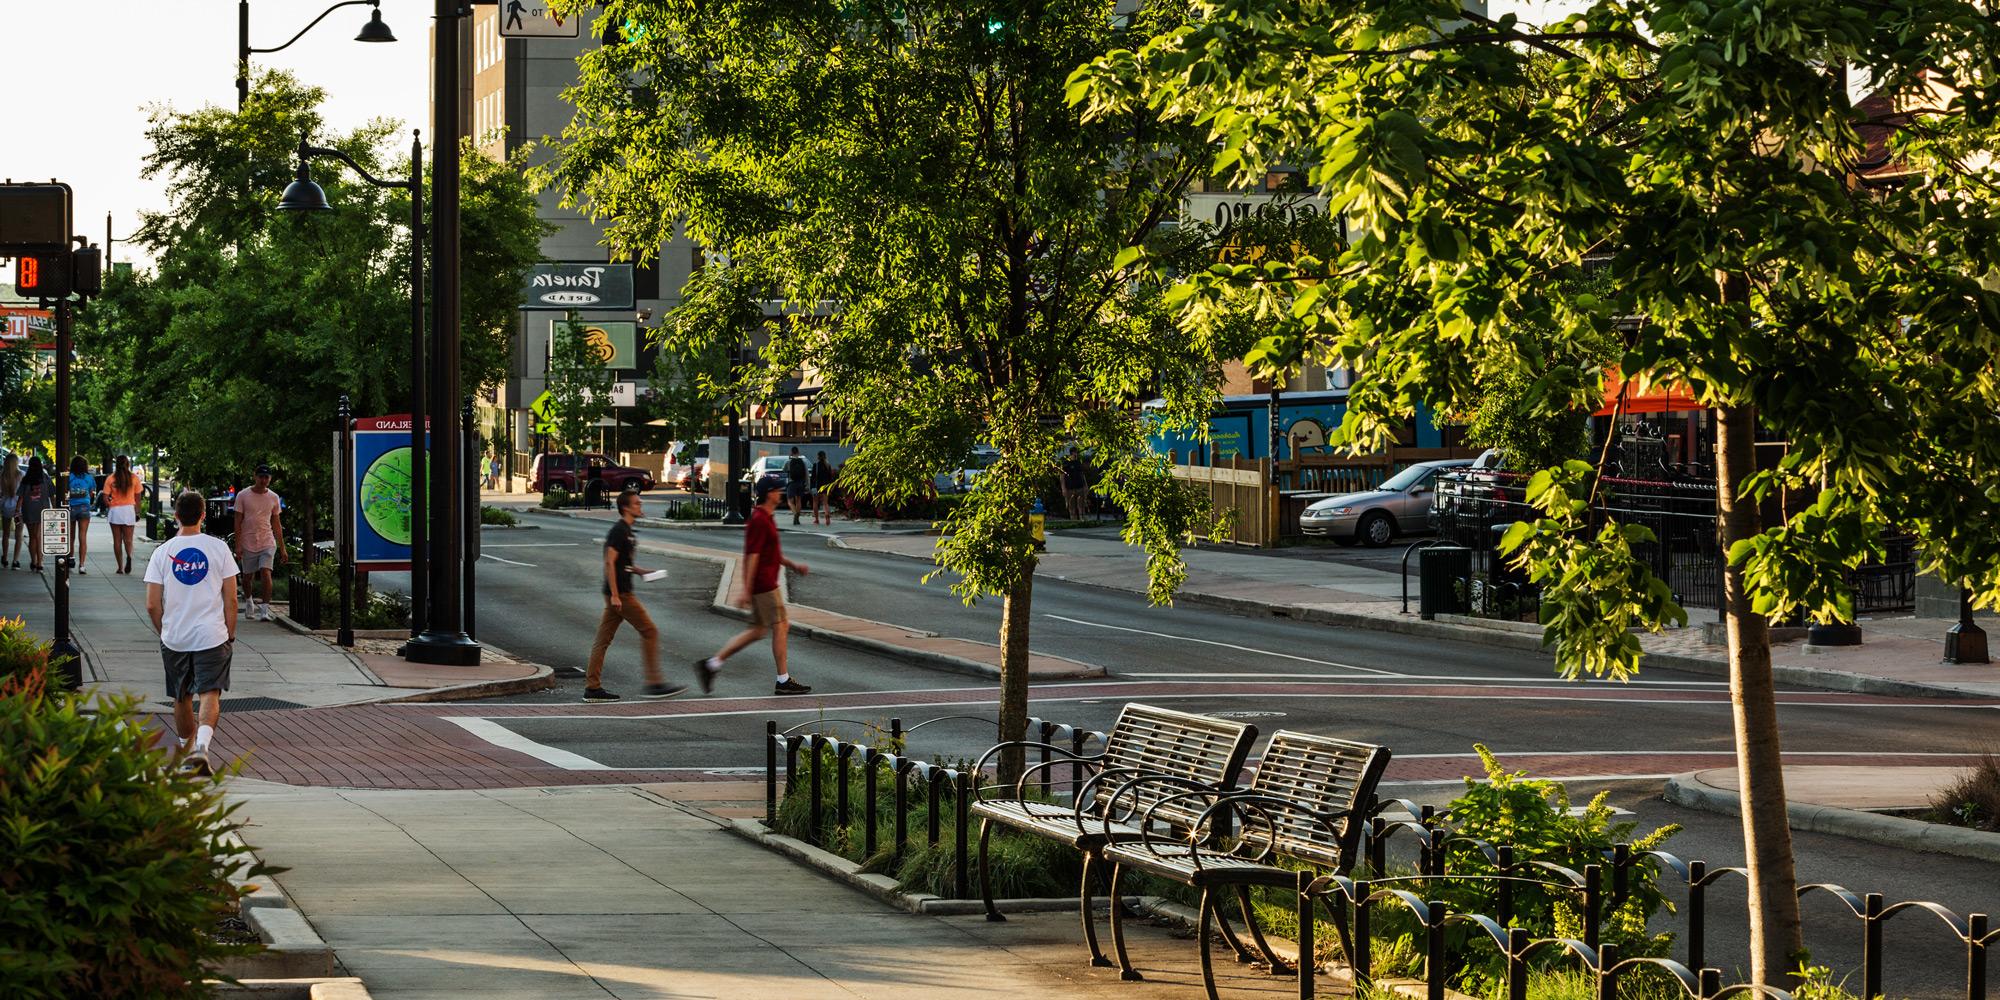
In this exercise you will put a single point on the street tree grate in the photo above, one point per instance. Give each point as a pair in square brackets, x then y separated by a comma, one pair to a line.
[258, 704]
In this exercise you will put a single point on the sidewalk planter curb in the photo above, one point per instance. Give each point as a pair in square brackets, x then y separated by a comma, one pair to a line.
[311, 988]
[292, 949]
[510, 527]
[542, 679]
[1892, 831]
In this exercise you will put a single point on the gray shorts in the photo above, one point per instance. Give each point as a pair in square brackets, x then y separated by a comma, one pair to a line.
[257, 559]
[190, 674]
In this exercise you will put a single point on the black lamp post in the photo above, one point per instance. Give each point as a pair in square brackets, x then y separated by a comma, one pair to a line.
[374, 31]
[302, 195]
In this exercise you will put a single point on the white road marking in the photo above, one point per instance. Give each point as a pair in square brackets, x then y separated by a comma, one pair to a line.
[1497, 681]
[528, 545]
[507, 739]
[510, 562]
[1228, 645]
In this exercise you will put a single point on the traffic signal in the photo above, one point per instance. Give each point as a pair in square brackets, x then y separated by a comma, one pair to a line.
[86, 270]
[42, 276]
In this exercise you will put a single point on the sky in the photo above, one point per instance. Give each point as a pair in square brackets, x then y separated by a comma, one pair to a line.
[102, 65]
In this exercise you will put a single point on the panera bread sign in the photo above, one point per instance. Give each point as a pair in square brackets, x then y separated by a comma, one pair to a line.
[578, 285]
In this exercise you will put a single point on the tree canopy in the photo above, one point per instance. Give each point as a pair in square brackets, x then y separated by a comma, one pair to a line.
[235, 349]
[957, 246]
[1709, 153]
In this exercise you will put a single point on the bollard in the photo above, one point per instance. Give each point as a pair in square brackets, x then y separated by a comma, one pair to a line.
[868, 755]
[770, 774]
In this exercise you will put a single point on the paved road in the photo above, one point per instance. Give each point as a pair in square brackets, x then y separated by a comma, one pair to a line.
[1429, 700]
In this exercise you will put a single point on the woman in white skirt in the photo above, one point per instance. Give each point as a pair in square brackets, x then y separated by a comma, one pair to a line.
[121, 496]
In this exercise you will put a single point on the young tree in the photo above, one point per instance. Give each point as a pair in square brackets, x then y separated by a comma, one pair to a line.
[237, 347]
[960, 245]
[1710, 152]
[579, 388]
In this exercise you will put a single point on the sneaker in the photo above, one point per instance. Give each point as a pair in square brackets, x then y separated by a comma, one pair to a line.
[662, 690]
[196, 762]
[793, 687]
[705, 675]
[598, 694]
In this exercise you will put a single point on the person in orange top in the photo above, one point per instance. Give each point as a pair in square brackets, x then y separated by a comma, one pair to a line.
[121, 500]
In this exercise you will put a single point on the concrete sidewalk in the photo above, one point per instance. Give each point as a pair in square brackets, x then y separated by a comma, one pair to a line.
[1899, 656]
[616, 891]
[280, 666]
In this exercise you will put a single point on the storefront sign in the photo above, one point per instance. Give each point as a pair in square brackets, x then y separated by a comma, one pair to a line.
[34, 326]
[578, 285]
[615, 342]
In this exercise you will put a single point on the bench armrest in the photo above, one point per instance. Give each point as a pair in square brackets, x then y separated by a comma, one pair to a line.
[1247, 804]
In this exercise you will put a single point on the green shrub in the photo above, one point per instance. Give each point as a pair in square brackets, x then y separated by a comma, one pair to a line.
[496, 515]
[556, 497]
[21, 654]
[1972, 799]
[113, 863]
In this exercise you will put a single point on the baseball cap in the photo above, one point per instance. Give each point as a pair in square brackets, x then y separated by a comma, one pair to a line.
[263, 470]
[765, 485]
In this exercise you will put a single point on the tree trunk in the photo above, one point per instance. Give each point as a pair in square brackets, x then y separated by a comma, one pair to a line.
[1776, 941]
[1014, 619]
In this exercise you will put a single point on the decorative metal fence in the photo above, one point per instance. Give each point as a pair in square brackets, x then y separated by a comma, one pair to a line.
[1357, 903]
[306, 602]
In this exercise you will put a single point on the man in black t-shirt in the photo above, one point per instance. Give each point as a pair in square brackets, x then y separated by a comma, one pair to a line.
[622, 605]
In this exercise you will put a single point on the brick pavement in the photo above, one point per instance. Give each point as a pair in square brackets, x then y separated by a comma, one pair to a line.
[419, 747]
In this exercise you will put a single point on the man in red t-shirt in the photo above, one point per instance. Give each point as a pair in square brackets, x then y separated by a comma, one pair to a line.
[762, 561]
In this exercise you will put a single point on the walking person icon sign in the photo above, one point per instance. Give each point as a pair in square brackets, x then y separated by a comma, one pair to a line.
[534, 19]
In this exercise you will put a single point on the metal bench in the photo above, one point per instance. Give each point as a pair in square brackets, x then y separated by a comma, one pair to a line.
[1180, 751]
[1307, 803]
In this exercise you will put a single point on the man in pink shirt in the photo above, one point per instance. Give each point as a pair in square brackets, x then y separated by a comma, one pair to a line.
[259, 540]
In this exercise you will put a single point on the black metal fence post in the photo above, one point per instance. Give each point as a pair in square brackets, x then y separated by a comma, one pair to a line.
[1593, 902]
[1517, 963]
[1434, 962]
[1360, 958]
[933, 780]
[814, 744]
[842, 750]
[1048, 734]
[1308, 952]
[868, 756]
[962, 820]
[1871, 944]
[896, 737]
[1975, 956]
[792, 762]
[1607, 972]
[1697, 912]
[770, 773]
[902, 769]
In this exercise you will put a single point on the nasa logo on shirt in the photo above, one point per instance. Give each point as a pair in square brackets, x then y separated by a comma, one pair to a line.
[190, 565]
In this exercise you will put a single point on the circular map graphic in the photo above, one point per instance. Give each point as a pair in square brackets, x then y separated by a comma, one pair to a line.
[385, 495]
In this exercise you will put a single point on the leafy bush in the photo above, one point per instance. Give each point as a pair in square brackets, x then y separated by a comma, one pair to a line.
[21, 654]
[114, 864]
[556, 497]
[496, 515]
[373, 609]
[1973, 799]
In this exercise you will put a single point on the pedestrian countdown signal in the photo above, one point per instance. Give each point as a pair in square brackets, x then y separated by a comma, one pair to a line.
[42, 276]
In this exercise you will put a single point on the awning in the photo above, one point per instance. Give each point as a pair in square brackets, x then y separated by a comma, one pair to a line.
[1656, 398]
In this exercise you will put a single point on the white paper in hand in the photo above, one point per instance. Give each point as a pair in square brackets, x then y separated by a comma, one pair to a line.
[658, 574]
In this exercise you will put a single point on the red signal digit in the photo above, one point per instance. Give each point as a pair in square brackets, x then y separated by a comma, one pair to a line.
[30, 275]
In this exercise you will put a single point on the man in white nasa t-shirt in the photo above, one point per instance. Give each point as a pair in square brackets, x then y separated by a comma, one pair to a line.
[191, 595]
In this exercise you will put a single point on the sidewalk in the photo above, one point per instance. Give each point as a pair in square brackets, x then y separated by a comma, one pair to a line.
[273, 665]
[1899, 656]
[571, 893]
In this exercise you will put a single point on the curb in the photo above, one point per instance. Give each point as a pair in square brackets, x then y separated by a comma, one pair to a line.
[542, 679]
[510, 527]
[1460, 628]
[314, 988]
[1894, 831]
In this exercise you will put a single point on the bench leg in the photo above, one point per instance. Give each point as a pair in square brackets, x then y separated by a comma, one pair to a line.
[1202, 931]
[1125, 969]
[1278, 966]
[1087, 895]
[986, 871]
[1339, 915]
[1308, 948]
[1243, 956]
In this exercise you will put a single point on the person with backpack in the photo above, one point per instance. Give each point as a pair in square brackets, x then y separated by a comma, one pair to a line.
[798, 480]
[79, 489]
[33, 498]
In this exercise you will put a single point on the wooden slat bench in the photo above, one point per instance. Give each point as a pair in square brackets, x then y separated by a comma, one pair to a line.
[1307, 803]
[1178, 751]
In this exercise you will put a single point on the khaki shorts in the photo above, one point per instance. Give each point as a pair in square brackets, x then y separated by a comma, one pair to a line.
[767, 609]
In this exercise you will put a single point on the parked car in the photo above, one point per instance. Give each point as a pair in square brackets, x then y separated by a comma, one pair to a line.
[962, 480]
[769, 465]
[1401, 505]
[561, 471]
[688, 457]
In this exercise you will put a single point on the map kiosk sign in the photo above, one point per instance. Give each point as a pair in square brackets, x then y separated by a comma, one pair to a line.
[380, 492]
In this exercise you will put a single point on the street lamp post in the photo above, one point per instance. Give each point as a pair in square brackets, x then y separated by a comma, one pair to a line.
[302, 195]
[373, 31]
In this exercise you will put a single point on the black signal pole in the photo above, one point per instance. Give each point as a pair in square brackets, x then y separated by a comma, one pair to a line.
[65, 645]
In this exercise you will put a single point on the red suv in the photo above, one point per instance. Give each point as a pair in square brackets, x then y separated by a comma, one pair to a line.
[561, 471]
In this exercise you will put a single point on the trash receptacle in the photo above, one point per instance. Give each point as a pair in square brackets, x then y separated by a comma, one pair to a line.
[1441, 570]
